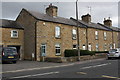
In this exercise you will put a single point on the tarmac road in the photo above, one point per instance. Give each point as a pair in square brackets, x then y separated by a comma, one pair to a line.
[108, 69]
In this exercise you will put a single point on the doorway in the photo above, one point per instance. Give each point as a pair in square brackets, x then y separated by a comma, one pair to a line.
[89, 47]
[17, 47]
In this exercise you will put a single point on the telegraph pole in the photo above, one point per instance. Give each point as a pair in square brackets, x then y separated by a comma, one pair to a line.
[78, 44]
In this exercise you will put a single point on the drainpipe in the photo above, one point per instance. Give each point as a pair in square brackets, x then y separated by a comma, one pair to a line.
[86, 38]
[112, 39]
[35, 41]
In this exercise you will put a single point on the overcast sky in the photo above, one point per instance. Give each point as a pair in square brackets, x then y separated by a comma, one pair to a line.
[99, 10]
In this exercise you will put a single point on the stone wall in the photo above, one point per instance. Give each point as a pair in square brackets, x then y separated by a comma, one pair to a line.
[29, 23]
[100, 40]
[7, 40]
[46, 34]
[74, 59]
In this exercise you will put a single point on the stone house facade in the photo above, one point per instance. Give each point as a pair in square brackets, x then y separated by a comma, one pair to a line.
[12, 36]
[47, 35]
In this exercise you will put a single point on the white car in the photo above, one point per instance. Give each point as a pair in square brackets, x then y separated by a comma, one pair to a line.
[114, 53]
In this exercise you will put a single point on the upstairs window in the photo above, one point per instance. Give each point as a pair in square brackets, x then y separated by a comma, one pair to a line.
[96, 35]
[105, 35]
[14, 33]
[57, 32]
[74, 34]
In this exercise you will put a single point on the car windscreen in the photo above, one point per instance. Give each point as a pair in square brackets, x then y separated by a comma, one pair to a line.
[113, 50]
[9, 51]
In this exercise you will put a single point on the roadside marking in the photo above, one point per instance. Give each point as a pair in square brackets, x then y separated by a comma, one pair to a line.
[82, 73]
[30, 69]
[38, 68]
[95, 66]
[35, 75]
[110, 77]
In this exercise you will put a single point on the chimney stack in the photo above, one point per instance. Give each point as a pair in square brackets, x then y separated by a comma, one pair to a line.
[108, 22]
[86, 18]
[52, 10]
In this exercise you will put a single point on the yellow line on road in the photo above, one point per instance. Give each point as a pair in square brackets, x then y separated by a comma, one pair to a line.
[82, 73]
[110, 77]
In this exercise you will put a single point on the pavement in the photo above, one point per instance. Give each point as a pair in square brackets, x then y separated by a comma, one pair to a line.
[100, 68]
[24, 65]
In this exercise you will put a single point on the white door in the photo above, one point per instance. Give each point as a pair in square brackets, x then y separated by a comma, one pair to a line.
[89, 47]
[114, 46]
[84, 47]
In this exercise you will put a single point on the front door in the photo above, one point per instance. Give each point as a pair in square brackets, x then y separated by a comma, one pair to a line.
[89, 47]
[43, 50]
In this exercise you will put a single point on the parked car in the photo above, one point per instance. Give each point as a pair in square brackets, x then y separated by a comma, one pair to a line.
[114, 53]
[9, 54]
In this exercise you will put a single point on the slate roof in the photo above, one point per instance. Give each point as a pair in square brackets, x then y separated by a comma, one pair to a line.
[111, 28]
[4, 23]
[45, 17]
[71, 21]
[91, 25]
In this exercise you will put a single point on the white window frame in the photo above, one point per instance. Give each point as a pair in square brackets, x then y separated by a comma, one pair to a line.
[12, 34]
[57, 46]
[74, 34]
[105, 35]
[57, 32]
[96, 35]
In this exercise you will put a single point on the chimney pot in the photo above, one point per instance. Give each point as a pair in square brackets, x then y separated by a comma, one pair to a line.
[86, 18]
[107, 22]
[51, 10]
[104, 19]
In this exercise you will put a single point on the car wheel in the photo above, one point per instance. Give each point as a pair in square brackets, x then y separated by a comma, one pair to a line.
[14, 62]
[109, 58]
[3, 62]
[119, 57]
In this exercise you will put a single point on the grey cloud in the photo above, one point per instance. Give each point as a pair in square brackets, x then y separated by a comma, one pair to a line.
[10, 10]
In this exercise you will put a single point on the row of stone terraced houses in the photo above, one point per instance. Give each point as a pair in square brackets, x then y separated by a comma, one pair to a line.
[36, 35]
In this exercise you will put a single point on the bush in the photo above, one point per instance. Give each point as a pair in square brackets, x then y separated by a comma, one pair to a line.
[72, 53]
[101, 51]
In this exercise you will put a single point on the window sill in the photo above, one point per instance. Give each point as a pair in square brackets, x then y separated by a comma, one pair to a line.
[74, 38]
[14, 37]
[57, 54]
[57, 38]
[75, 48]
